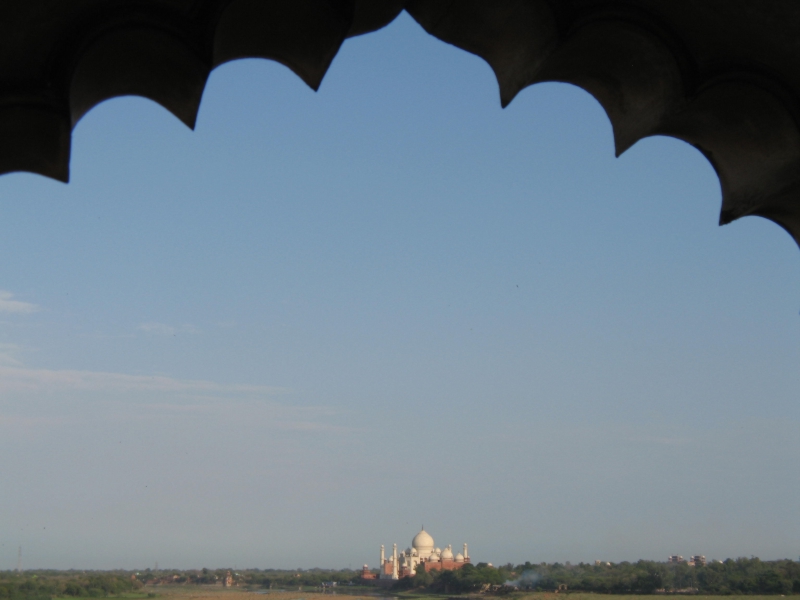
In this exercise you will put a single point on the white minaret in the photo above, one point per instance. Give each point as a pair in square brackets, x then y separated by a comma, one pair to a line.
[466, 556]
[383, 556]
[395, 566]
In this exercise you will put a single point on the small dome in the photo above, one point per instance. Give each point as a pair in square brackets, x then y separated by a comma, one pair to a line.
[459, 557]
[447, 554]
[433, 558]
[438, 551]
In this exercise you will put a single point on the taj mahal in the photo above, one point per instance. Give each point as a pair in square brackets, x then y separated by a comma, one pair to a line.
[423, 553]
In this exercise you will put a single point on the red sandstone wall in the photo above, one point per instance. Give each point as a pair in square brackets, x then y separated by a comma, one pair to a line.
[445, 565]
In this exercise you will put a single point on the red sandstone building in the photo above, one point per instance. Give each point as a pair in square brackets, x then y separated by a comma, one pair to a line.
[423, 553]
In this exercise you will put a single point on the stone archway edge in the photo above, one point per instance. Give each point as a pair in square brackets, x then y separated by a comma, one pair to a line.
[722, 75]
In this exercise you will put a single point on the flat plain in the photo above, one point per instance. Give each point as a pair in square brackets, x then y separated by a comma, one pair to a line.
[217, 593]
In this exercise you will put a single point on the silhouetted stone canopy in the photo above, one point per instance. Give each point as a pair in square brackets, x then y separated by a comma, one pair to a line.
[723, 75]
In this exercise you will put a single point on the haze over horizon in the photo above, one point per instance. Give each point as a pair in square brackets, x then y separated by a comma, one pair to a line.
[320, 320]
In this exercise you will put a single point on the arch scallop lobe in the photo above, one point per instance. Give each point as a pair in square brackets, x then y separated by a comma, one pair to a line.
[722, 75]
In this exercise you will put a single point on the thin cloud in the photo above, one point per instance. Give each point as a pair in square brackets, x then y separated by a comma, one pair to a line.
[163, 329]
[119, 397]
[660, 441]
[23, 422]
[8, 355]
[313, 427]
[9, 305]
[20, 380]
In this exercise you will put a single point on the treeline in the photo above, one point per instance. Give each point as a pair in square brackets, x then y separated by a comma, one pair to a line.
[733, 576]
[468, 578]
[251, 578]
[45, 585]
[275, 579]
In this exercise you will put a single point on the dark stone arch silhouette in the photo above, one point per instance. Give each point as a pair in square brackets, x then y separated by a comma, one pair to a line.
[722, 75]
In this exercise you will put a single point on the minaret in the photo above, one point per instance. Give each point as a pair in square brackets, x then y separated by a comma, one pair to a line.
[383, 556]
[466, 556]
[395, 566]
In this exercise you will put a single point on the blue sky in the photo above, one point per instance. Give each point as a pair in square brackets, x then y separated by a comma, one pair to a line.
[322, 319]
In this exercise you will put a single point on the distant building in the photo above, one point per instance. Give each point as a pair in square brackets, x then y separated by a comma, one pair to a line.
[367, 574]
[227, 581]
[423, 554]
[697, 560]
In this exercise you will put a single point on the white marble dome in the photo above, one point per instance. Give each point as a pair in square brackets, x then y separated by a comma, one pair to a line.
[447, 554]
[423, 543]
[459, 557]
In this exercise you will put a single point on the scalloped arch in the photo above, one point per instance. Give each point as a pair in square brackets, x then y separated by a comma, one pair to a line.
[722, 75]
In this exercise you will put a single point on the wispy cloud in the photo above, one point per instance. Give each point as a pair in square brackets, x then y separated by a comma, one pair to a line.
[8, 355]
[660, 441]
[43, 398]
[23, 422]
[163, 329]
[20, 379]
[9, 305]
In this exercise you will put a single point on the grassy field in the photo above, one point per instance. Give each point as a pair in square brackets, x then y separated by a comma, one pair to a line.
[210, 593]
[216, 593]
[580, 596]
